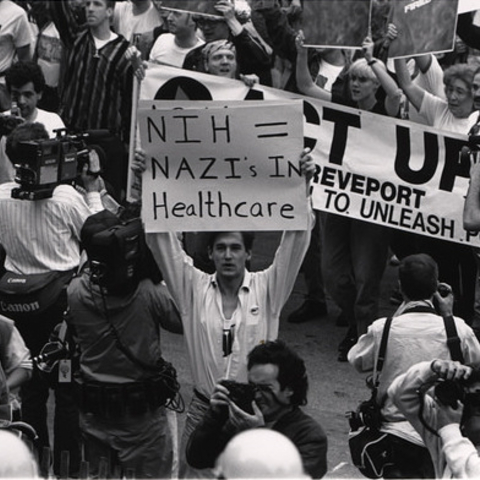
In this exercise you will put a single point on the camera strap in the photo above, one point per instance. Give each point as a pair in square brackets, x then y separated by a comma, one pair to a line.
[453, 340]
[382, 351]
[120, 345]
[165, 370]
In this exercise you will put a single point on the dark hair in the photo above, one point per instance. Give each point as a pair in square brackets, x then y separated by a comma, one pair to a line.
[24, 133]
[291, 368]
[247, 238]
[418, 276]
[20, 73]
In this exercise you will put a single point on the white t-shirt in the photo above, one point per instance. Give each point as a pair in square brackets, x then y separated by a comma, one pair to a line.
[50, 120]
[166, 51]
[439, 116]
[136, 29]
[327, 75]
[15, 32]
[432, 82]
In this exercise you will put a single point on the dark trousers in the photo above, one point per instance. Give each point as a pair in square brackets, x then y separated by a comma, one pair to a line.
[409, 460]
[36, 330]
[312, 264]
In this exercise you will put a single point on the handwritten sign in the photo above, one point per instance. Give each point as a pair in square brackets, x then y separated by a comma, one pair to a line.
[424, 26]
[223, 168]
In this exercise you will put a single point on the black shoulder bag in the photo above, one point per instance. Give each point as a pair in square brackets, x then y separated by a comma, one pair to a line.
[369, 447]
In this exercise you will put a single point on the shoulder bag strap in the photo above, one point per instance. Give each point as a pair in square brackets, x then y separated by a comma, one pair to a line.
[383, 349]
[453, 340]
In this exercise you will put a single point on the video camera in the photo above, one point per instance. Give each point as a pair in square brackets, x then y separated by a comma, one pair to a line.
[115, 255]
[41, 165]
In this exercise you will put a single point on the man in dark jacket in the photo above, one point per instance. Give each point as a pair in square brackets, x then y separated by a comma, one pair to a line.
[279, 380]
[117, 305]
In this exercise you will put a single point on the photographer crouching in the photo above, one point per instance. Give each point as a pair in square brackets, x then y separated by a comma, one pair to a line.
[277, 387]
[41, 237]
[447, 416]
[116, 306]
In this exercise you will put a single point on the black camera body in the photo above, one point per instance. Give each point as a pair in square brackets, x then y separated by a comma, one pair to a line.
[449, 392]
[241, 394]
[368, 414]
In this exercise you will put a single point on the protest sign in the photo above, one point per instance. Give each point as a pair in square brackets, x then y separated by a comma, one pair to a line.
[336, 23]
[204, 7]
[223, 168]
[408, 177]
[468, 5]
[424, 26]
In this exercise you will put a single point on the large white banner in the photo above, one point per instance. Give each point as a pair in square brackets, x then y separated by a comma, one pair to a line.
[378, 169]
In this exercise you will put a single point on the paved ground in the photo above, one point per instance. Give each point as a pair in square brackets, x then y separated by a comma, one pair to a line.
[334, 387]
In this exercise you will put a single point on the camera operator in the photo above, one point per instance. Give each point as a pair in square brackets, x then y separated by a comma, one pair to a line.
[42, 243]
[25, 84]
[279, 380]
[417, 333]
[116, 306]
[447, 420]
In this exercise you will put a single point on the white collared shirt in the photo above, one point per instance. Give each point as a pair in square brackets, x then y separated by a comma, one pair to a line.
[260, 301]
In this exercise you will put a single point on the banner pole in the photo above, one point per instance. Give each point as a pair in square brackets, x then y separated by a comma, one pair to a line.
[132, 182]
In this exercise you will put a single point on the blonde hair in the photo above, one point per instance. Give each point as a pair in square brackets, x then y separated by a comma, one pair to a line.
[360, 68]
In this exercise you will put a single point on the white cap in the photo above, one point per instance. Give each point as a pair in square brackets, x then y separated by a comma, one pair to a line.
[16, 460]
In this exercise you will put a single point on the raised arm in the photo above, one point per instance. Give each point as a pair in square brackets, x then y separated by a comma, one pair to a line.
[290, 253]
[393, 93]
[280, 32]
[414, 93]
[305, 83]
[64, 20]
[252, 55]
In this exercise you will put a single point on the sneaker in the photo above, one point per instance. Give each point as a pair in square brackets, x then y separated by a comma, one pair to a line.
[309, 310]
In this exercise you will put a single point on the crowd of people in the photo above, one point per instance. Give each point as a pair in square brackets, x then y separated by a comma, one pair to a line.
[79, 273]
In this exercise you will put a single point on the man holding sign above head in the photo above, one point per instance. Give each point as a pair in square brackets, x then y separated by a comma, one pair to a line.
[229, 312]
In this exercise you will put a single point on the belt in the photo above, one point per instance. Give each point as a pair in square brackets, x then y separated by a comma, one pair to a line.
[119, 399]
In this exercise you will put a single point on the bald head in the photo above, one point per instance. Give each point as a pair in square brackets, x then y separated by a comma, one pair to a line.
[260, 453]
[16, 460]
